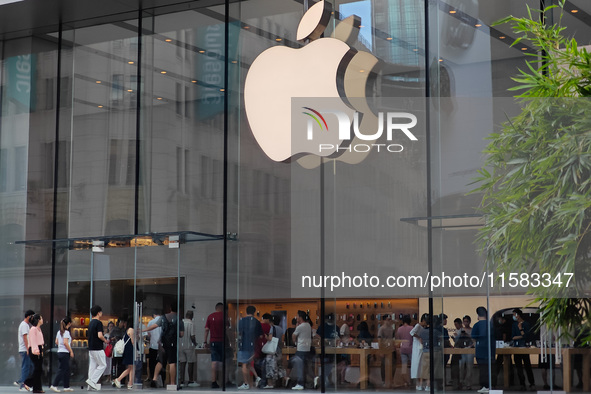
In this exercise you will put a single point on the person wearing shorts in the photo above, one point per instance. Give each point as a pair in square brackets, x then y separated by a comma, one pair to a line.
[187, 351]
[250, 330]
[214, 331]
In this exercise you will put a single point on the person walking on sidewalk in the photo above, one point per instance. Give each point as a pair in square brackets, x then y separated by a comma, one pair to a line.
[64, 353]
[129, 340]
[23, 350]
[97, 361]
[36, 344]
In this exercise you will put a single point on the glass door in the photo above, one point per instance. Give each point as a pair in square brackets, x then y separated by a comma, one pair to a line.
[160, 292]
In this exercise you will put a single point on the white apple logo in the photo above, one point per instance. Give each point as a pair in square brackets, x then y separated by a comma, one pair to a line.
[281, 73]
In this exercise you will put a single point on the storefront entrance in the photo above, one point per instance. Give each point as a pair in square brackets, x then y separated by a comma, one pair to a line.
[133, 279]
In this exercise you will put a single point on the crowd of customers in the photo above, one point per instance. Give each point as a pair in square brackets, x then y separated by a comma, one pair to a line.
[260, 345]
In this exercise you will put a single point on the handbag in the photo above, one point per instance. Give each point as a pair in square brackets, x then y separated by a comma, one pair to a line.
[271, 346]
[109, 350]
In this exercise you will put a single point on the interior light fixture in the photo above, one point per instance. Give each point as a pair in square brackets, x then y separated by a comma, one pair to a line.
[524, 49]
[278, 39]
[168, 40]
[502, 37]
[201, 51]
[98, 81]
[453, 11]
[162, 72]
[247, 27]
[389, 38]
[194, 81]
[222, 90]
[158, 98]
[478, 25]
[100, 106]
[130, 90]
[130, 62]
[574, 11]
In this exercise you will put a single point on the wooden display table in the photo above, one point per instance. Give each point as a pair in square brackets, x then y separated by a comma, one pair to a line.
[363, 364]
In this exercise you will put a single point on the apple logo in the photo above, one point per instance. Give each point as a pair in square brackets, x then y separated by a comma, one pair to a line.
[318, 69]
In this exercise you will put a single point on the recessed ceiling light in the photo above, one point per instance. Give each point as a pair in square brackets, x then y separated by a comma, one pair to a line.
[278, 39]
[194, 81]
[162, 72]
[98, 82]
[478, 25]
[247, 27]
[453, 11]
[574, 11]
[168, 40]
[234, 61]
[201, 51]
[389, 38]
[502, 37]
[440, 60]
[130, 90]
[524, 49]
[222, 90]
[130, 62]
[158, 98]
[100, 106]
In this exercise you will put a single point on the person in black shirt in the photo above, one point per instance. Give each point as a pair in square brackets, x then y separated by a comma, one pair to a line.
[521, 334]
[96, 356]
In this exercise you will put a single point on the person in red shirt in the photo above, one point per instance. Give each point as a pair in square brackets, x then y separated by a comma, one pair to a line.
[214, 329]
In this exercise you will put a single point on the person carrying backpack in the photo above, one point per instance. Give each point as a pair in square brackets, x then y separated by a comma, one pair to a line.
[168, 323]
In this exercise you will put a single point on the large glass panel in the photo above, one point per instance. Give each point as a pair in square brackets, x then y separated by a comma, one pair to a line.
[181, 179]
[27, 142]
[103, 90]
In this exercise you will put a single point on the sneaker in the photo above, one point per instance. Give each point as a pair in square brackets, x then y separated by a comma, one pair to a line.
[287, 381]
[483, 390]
[427, 388]
[68, 389]
[28, 388]
[269, 387]
[117, 383]
[17, 384]
[419, 388]
[193, 384]
[55, 389]
[130, 387]
[257, 381]
[91, 384]
[215, 385]
[297, 387]
[316, 382]
[244, 386]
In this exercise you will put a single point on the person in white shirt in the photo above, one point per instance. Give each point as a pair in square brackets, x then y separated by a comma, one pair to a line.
[302, 337]
[23, 346]
[64, 354]
[153, 352]
[187, 350]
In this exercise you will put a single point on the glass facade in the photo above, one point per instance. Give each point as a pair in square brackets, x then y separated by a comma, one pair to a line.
[131, 177]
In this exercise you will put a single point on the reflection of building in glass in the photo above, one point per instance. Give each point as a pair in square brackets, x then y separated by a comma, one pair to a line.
[132, 137]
